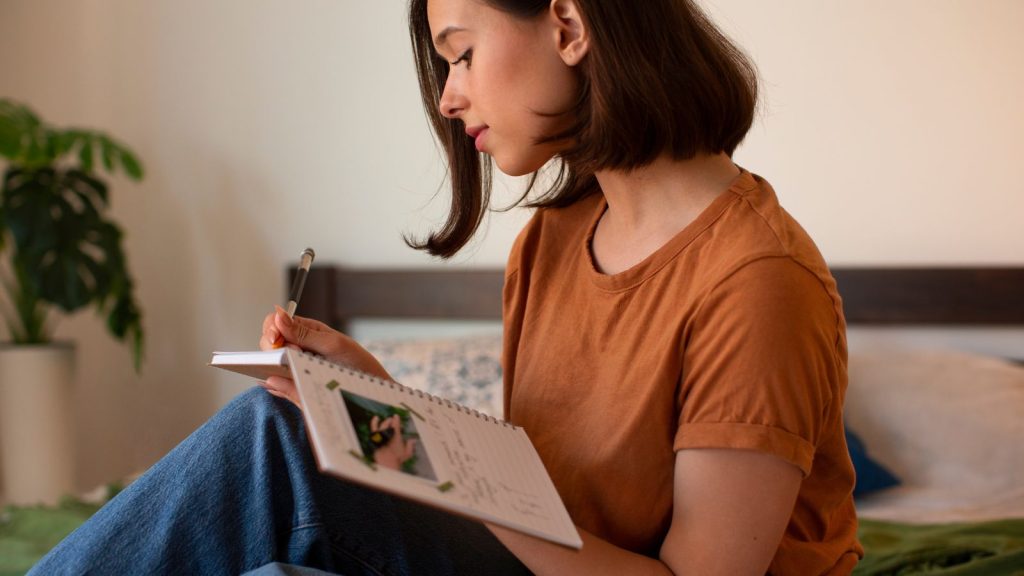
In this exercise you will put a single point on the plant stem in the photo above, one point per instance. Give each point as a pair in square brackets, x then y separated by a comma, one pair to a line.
[30, 310]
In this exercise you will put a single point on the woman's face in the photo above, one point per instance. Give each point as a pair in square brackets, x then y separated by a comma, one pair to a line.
[503, 71]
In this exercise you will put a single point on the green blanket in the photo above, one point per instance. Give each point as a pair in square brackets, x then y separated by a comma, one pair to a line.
[983, 549]
[26, 534]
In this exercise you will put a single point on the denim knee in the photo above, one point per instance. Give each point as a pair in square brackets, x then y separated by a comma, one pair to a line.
[256, 405]
[254, 400]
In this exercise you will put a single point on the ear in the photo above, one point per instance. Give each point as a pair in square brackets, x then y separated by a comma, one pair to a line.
[571, 34]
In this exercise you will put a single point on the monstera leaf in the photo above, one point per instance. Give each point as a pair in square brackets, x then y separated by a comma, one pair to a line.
[63, 251]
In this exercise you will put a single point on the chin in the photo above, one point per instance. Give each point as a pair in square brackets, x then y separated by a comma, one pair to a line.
[519, 165]
[514, 170]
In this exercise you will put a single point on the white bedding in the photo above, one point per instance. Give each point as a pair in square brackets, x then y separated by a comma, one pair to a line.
[949, 424]
[922, 504]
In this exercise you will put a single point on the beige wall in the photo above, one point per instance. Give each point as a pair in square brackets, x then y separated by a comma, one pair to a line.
[891, 128]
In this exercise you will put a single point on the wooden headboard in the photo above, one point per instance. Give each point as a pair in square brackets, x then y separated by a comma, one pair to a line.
[871, 296]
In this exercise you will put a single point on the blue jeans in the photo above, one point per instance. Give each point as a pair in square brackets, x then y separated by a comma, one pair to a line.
[243, 492]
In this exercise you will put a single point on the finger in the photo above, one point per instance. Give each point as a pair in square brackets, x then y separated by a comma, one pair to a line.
[270, 337]
[270, 389]
[280, 383]
[306, 332]
[284, 396]
[283, 387]
[294, 330]
[268, 325]
[311, 323]
[275, 393]
[266, 343]
[374, 423]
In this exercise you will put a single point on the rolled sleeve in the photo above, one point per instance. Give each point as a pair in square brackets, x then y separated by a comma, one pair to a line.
[761, 364]
[767, 439]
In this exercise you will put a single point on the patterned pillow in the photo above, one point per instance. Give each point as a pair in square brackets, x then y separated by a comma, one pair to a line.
[466, 370]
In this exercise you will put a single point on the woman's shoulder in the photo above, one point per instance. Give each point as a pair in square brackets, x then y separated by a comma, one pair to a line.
[756, 226]
[753, 246]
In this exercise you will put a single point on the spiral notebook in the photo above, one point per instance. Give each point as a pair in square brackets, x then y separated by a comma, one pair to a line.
[405, 442]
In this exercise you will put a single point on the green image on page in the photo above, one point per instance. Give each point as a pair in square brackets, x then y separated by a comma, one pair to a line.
[332, 385]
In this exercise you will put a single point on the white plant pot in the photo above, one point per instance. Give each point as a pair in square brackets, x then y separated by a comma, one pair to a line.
[36, 455]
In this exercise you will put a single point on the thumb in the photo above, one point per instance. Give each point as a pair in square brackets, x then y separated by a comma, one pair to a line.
[302, 332]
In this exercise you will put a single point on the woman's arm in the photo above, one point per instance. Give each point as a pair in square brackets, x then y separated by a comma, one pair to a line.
[730, 511]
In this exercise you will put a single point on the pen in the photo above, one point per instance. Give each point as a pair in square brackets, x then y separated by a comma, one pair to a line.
[305, 261]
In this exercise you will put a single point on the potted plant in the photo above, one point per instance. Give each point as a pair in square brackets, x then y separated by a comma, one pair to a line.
[59, 251]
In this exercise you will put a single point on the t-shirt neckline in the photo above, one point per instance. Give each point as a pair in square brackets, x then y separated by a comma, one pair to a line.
[634, 276]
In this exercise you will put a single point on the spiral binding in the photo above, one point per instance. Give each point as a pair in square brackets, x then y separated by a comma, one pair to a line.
[414, 391]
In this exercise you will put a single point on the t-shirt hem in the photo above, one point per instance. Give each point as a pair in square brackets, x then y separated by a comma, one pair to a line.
[742, 436]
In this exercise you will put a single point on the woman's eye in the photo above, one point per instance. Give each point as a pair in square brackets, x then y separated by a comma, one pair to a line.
[466, 57]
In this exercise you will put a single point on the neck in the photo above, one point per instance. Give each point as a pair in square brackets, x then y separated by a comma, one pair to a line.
[665, 191]
[648, 206]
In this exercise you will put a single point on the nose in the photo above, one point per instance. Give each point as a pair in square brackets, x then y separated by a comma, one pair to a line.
[453, 101]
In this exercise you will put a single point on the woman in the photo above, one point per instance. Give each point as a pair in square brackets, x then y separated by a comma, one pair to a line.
[674, 343]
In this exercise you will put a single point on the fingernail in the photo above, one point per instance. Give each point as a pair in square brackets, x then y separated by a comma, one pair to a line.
[285, 318]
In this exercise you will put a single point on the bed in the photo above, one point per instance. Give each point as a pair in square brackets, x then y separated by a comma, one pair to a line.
[937, 429]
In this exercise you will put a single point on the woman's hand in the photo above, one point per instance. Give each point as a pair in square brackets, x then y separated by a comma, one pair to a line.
[312, 336]
[395, 450]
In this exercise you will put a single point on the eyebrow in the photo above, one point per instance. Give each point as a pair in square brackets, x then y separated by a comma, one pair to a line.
[442, 36]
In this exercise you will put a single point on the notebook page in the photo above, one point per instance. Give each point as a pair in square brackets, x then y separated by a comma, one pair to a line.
[459, 460]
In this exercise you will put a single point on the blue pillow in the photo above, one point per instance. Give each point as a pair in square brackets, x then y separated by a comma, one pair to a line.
[871, 475]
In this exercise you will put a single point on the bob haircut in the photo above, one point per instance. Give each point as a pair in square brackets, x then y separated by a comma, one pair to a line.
[659, 78]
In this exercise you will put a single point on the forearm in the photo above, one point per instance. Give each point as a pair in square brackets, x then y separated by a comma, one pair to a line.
[596, 557]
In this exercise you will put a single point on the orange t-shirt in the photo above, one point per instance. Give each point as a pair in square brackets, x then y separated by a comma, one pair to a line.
[731, 335]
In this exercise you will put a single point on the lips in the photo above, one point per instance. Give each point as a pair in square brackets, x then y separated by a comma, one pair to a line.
[477, 133]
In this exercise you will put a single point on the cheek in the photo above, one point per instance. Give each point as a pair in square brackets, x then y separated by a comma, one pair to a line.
[513, 146]
[532, 101]
[521, 88]
[527, 74]
[554, 88]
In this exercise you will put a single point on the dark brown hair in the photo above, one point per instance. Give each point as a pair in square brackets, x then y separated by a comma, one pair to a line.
[659, 77]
